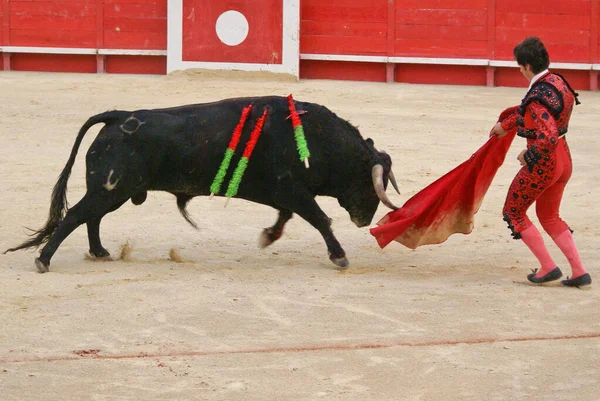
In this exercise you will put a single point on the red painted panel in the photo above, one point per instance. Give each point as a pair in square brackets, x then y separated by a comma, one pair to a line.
[432, 28]
[579, 80]
[263, 44]
[510, 77]
[449, 33]
[127, 24]
[134, 1]
[343, 45]
[58, 23]
[99, 30]
[440, 48]
[53, 63]
[558, 53]
[2, 24]
[595, 32]
[560, 49]
[543, 21]
[441, 17]
[440, 74]
[141, 9]
[133, 33]
[64, 9]
[52, 23]
[135, 24]
[550, 36]
[136, 65]
[342, 28]
[353, 71]
[344, 3]
[572, 7]
[347, 14]
[135, 40]
[52, 38]
[444, 4]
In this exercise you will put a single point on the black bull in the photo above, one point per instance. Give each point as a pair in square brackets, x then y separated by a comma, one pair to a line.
[179, 150]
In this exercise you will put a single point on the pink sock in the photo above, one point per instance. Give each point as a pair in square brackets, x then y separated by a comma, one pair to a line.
[566, 244]
[532, 237]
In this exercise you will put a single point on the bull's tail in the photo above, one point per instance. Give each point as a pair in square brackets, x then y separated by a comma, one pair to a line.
[182, 201]
[59, 204]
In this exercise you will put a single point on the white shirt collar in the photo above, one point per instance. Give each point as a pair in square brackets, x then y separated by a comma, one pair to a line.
[538, 76]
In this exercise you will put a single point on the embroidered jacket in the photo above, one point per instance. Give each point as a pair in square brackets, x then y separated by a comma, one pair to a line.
[543, 117]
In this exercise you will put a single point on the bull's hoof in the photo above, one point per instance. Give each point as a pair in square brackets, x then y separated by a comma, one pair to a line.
[101, 255]
[341, 263]
[104, 258]
[267, 237]
[40, 266]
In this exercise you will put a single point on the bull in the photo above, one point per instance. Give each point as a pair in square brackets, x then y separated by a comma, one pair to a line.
[179, 150]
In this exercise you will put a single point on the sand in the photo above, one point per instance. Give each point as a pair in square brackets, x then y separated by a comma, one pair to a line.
[205, 314]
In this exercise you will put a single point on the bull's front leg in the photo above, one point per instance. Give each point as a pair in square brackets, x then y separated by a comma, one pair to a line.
[319, 220]
[336, 253]
[299, 200]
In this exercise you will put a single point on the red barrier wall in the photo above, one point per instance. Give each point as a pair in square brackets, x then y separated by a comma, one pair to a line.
[333, 27]
[564, 25]
[392, 30]
[3, 21]
[134, 24]
[93, 24]
[432, 28]
[464, 29]
[52, 24]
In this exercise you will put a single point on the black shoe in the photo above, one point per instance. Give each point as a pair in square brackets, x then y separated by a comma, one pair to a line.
[581, 281]
[550, 276]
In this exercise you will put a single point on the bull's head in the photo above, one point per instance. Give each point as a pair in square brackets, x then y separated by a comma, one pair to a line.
[362, 200]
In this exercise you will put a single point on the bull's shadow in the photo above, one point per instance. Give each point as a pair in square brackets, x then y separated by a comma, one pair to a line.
[186, 151]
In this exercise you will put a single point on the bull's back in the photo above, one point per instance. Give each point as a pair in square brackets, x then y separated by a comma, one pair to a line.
[183, 147]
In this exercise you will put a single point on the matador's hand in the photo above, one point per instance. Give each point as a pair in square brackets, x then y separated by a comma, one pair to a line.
[498, 130]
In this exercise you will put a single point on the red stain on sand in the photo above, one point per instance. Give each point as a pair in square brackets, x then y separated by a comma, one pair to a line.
[87, 352]
[95, 354]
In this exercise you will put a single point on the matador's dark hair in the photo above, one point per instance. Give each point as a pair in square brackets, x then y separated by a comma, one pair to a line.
[533, 52]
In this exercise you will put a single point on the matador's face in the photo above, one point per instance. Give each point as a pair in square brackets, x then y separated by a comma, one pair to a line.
[526, 71]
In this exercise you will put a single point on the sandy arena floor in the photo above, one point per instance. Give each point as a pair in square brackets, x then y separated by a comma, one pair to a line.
[206, 315]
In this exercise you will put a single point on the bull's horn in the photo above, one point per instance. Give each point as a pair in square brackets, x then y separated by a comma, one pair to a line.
[377, 175]
[393, 181]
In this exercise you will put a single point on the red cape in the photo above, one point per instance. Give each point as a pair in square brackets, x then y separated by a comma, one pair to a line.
[448, 205]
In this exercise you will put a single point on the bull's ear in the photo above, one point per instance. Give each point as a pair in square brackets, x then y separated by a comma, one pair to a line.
[370, 141]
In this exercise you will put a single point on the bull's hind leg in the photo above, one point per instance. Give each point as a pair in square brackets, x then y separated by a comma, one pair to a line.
[96, 248]
[89, 208]
[272, 234]
[93, 229]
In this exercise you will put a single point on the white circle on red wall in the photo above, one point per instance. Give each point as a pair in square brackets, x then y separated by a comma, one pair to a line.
[232, 27]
